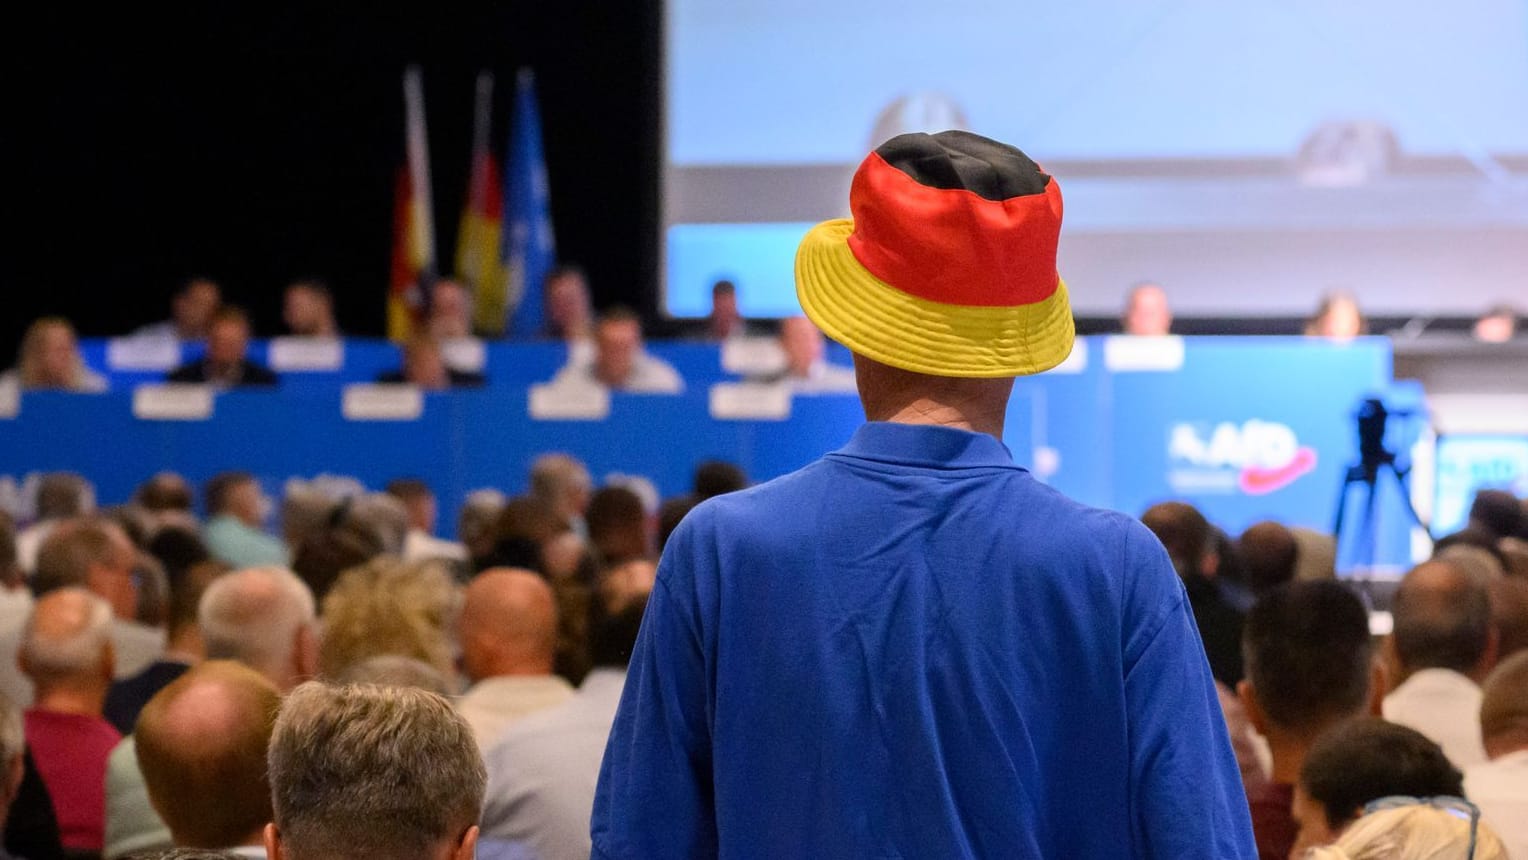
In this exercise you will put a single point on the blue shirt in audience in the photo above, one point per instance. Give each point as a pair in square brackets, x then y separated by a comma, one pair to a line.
[234, 543]
[912, 648]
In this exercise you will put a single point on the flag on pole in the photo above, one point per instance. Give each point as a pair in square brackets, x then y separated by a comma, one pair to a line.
[413, 261]
[478, 266]
[529, 250]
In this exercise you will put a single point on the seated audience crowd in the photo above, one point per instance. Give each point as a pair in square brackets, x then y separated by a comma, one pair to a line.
[605, 348]
[355, 684]
[354, 679]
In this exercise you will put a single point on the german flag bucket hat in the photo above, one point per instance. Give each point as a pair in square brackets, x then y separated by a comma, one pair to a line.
[948, 266]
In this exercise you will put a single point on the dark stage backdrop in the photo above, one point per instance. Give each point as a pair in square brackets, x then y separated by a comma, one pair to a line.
[257, 145]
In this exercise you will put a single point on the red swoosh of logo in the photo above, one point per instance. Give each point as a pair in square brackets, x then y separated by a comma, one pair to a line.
[1256, 481]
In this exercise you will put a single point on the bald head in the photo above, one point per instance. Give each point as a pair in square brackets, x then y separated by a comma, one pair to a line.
[201, 745]
[1504, 707]
[1443, 621]
[1146, 311]
[67, 643]
[508, 624]
[892, 394]
[802, 343]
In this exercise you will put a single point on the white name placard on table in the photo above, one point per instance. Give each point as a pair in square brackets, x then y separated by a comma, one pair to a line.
[142, 353]
[173, 402]
[310, 354]
[750, 401]
[569, 401]
[368, 402]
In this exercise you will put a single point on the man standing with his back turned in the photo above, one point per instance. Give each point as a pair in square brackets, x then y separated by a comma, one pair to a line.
[912, 648]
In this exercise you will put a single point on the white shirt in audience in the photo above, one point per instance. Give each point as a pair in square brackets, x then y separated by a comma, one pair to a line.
[824, 378]
[135, 646]
[649, 375]
[132, 825]
[491, 705]
[422, 546]
[29, 541]
[542, 773]
[1500, 788]
[1445, 706]
[15, 608]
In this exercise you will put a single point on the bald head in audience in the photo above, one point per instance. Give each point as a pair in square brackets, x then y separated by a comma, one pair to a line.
[1509, 614]
[1504, 708]
[201, 745]
[1146, 311]
[508, 625]
[1442, 646]
[1443, 621]
[66, 651]
[264, 618]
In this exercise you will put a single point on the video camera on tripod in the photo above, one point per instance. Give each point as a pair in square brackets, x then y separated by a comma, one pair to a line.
[1372, 420]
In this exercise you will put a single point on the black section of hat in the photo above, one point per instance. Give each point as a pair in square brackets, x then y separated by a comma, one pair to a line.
[962, 160]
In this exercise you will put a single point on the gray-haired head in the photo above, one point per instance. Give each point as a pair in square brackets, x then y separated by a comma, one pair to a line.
[262, 617]
[386, 517]
[383, 773]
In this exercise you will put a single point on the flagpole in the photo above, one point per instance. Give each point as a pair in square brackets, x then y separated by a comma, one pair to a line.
[482, 113]
[418, 147]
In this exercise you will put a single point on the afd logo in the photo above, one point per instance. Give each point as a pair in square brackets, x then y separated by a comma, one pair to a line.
[1254, 457]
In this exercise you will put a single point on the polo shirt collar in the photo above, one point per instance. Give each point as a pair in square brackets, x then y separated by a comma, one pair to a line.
[926, 445]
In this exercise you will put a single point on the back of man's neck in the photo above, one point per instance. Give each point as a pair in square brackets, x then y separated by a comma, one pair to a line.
[1407, 673]
[70, 701]
[925, 411]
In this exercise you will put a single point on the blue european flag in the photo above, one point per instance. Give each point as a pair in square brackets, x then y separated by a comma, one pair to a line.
[529, 250]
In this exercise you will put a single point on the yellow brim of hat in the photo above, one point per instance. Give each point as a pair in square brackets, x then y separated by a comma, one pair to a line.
[879, 321]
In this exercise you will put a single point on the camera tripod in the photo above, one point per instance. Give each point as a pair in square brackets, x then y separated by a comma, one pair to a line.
[1373, 459]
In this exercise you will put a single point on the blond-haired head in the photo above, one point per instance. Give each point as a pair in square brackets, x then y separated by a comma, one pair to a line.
[389, 606]
[1418, 832]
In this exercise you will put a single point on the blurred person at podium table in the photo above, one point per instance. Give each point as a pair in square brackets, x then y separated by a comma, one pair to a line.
[1147, 313]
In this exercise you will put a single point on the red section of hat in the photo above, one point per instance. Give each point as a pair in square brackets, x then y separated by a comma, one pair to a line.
[954, 246]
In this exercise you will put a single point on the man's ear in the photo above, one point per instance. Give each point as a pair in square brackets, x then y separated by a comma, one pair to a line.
[1390, 664]
[109, 660]
[1376, 703]
[273, 843]
[1489, 657]
[466, 849]
[1255, 715]
[305, 653]
[1209, 565]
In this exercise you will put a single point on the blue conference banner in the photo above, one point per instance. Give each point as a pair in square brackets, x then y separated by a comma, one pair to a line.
[1244, 428]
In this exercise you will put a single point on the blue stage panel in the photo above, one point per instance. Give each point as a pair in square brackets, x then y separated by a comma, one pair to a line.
[1244, 428]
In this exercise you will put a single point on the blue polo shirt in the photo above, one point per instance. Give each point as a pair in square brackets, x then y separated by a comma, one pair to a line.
[913, 649]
